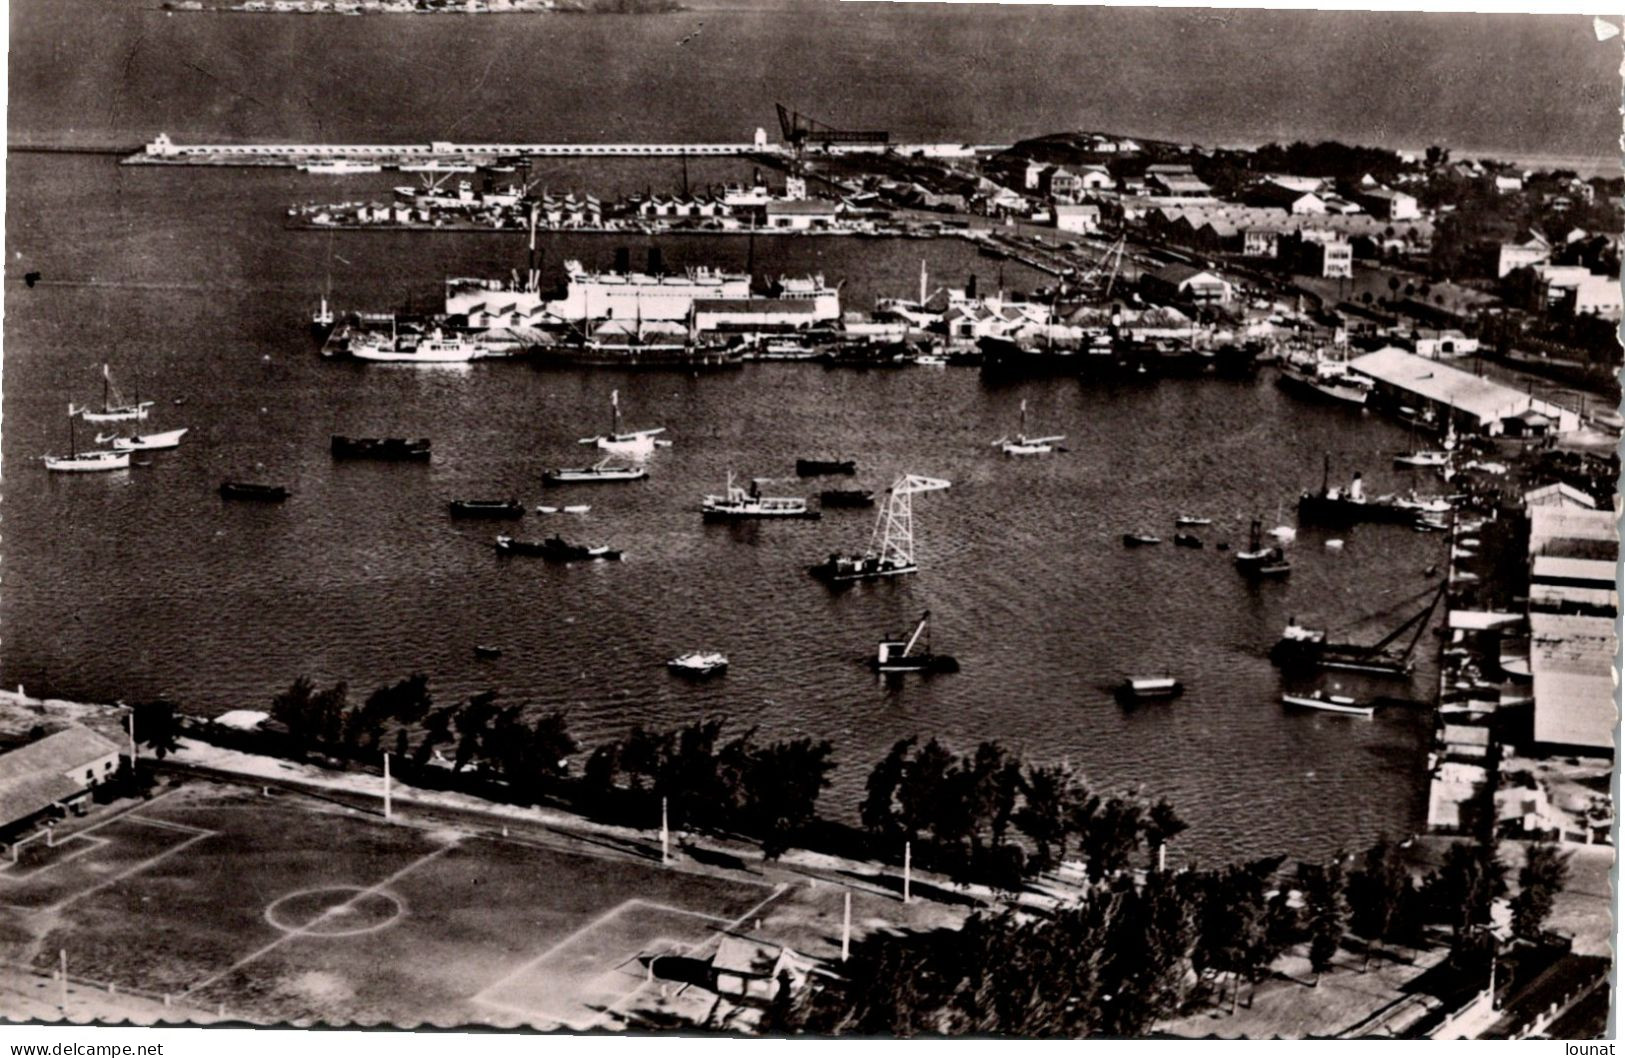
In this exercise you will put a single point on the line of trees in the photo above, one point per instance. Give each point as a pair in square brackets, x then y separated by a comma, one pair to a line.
[1131, 952]
[967, 814]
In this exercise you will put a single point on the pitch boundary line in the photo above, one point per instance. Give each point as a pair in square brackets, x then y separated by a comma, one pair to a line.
[304, 930]
[92, 843]
[127, 872]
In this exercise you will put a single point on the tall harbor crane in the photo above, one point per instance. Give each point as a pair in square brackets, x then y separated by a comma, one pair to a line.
[800, 130]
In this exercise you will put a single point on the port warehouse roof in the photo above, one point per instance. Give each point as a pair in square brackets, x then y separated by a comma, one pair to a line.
[1558, 494]
[1485, 400]
[1571, 659]
[36, 776]
[1228, 220]
[1553, 529]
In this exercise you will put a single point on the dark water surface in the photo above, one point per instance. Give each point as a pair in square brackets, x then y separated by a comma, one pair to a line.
[143, 582]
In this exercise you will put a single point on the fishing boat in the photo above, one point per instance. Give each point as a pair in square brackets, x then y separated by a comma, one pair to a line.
[846, 498]
[486, 509]
[1190, 540]
[1330, 703]
[1022, 445]
[1140, 539]
[248, 490]
[738, 504]
[891, 545]
[1191, 520]
[623, 442]
[601, 471]
[77, 462]
[393, 449]
[114, 406]
[811, 468]
[699, 663]
[1141, 688]
[143, 442]
[896, 654]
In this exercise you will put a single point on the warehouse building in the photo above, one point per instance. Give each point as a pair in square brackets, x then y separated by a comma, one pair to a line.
[52, 776]
[1473, 404]
[1571, 660]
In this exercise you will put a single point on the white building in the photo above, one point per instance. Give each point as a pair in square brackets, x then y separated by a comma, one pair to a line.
[1082, 219]
[801, 215]
[1571, 660]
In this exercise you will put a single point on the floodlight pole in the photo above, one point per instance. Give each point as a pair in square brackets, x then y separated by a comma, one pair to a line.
[846, 928]
[132, 741]
[62, 956]
[388, 808]
[665, 835]
[908, 867]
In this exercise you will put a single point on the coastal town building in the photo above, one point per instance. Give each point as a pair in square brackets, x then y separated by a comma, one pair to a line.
[51, 776]
[1179, 283]
[1081, 218]
[1387, 204]
[1471, 403]
[802, 215]
[1332, 259]
[1529, 248]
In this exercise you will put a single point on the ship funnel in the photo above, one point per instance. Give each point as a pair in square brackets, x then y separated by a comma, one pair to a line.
[623, 259]
[656, 266]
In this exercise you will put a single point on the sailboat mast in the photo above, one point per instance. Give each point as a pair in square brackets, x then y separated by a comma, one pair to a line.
[107, 382]
[615, 413]
[1023, 434]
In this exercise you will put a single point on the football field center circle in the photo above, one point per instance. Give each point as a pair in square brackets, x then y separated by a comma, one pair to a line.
[334, 911]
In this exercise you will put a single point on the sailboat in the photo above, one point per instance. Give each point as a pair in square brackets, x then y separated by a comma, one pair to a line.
[114, 409]
[622, 442]
[1022, 445]
[81, 462]
[321, 321]
[143, 442]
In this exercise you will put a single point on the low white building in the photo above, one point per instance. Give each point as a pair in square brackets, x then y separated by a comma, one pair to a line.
[1082, 219]
[801, 215]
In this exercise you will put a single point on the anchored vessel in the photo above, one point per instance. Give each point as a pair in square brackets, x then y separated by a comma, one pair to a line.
[557, 549]
[436, 347]
[1022, 445]
[395, 449]
[77, 462]
[1330, 703]
[248, 490]
[143, 442]
[1261, 561]
[1327, 379]
[896, 654]
[114, 406]
[1310, 648]
[699, 664]
[891, 545]
[487, 509]
[739, 504]
[624, 442]
[601, 471]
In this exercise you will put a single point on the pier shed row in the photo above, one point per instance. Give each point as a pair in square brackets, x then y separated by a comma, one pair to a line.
[1475, 405]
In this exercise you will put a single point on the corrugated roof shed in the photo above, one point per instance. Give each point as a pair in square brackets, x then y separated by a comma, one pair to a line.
[1571, 659]
[1550, 524]
[1487, 400]
[1558, 494]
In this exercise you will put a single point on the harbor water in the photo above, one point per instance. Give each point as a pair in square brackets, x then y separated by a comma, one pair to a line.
[144, 582]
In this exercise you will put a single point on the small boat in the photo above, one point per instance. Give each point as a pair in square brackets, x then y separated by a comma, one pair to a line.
[1191, 520]
[77, 462]
[739, 504]
[1334, 545]
[1140, 539]
[487, 509]
[555, 548]
[1187, 540]
[931, 360]
[114, 406]
[435, 348]
[1422, 458]
[143, 442]
[846, 498]
[1022, 445]
[623, 442]
[1330, 703]
[483, 651]
[1140, 688]
[698, 663]
[893, 655]
[598, 472]
[1256, 558]
[248, 490]
[578, 508]
[387, 448]
[811, 468]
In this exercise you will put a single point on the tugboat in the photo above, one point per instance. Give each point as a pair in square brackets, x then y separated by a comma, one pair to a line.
[1022, 445]
[487, 509]
[598, 472]
[1141, 688]
[812, 468]
[248, 490]
[891, 546]
[893, 654]
[744, 504]
[1330, 703]
[556, 549]
[846, 498]
[699, 664]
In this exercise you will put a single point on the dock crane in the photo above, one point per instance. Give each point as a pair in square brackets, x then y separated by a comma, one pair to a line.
[800, 130]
